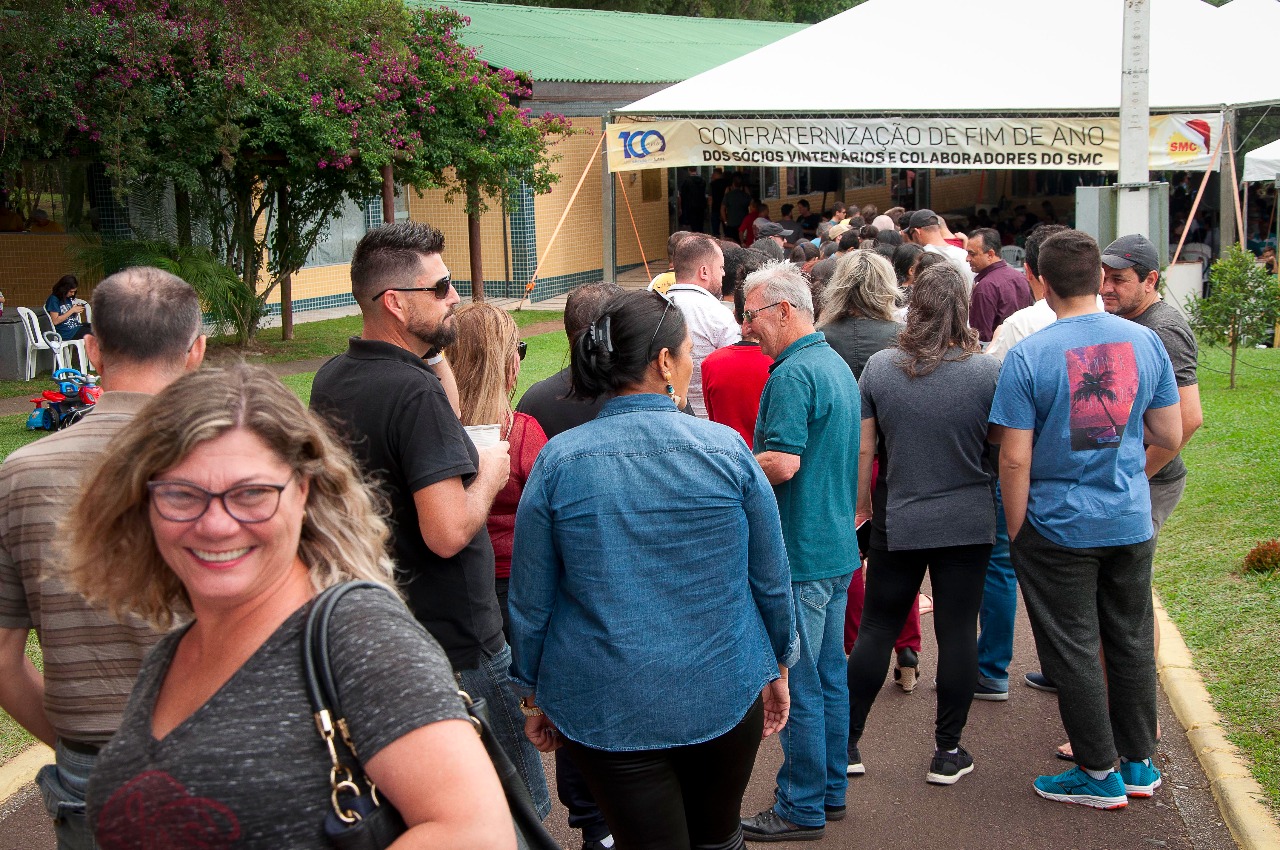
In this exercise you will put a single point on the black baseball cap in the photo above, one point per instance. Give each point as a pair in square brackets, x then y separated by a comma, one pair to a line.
[768, 228]
[1129, 251]
[923, 218]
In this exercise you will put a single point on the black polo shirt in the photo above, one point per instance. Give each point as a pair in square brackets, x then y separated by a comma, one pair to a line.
[395, 415]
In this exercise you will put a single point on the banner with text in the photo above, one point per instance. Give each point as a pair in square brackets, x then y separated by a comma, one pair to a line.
[1178, 142]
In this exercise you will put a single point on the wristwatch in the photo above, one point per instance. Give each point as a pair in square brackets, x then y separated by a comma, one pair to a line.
[528, 709]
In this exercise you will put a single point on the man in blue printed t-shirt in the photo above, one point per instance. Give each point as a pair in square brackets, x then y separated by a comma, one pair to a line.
[1073, 407]
[806, 441]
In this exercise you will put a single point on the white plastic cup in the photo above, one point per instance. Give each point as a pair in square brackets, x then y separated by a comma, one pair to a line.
[484, 435]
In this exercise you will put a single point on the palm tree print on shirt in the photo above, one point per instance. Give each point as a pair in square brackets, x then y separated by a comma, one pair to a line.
[1104, 382]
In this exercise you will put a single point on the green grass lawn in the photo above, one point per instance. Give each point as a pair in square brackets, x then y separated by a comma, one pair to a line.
[329, 337]
[1232, 502]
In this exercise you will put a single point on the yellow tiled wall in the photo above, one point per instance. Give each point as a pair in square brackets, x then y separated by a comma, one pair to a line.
[31, 264]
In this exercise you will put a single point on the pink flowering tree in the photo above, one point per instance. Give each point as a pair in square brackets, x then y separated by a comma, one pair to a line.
[264, 116]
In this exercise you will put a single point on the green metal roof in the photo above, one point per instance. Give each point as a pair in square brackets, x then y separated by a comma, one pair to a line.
[590, 46]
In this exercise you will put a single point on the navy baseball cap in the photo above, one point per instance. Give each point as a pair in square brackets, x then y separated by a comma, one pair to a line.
[923, 218]
[1129, 251]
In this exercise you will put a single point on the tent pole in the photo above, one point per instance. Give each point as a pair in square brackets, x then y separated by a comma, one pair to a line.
[608, 244]
[1227, 197]
[1133, 212]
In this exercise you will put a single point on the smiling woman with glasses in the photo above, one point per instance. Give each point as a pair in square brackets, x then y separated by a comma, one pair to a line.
[486, 359]
[227, 513]
[649, 555]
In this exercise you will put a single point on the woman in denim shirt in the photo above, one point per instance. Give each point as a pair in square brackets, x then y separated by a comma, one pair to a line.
[651, 611]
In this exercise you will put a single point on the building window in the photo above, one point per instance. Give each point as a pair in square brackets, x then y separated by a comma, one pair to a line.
[798, 180]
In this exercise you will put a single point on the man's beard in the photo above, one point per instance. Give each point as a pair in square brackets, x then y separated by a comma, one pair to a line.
[434, 338]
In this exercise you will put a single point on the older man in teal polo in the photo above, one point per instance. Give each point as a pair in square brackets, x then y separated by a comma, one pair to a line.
[806, 441]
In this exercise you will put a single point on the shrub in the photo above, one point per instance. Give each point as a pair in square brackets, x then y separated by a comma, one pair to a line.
[1263, 558]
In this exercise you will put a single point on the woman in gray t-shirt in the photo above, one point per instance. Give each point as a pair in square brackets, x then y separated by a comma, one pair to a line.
[924, 415]
[228, 509]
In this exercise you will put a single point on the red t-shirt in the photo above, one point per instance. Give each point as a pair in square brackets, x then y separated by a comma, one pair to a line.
[732, 380]
[527, 439]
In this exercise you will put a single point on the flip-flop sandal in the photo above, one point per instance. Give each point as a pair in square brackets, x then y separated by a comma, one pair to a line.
[926, 605]
[1064, 752]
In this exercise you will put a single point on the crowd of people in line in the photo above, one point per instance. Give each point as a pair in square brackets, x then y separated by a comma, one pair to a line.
[711, 527]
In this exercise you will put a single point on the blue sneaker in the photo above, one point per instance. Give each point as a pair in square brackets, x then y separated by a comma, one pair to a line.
[1141, 778]
[1076, 786]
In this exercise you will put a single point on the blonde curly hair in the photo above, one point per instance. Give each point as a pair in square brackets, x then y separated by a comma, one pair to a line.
[113, 560]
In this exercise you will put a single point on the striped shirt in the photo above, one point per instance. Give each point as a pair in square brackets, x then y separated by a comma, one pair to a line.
[90, 660]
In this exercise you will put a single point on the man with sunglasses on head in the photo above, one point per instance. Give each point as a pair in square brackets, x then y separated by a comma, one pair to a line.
[699, 267]
[388, 395]
[146, 335]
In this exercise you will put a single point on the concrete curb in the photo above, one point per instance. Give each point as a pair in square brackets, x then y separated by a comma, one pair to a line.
[1238, 794]
[20, 771]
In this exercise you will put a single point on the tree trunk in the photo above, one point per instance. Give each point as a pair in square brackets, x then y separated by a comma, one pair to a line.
[286, 281]
[1235, 344]
[388, 195]
[477, 265]
[182, 212]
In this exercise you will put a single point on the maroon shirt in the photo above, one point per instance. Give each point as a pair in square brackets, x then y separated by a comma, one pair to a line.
[999, 291]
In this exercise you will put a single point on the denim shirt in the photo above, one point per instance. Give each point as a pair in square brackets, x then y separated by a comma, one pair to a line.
[650, 592]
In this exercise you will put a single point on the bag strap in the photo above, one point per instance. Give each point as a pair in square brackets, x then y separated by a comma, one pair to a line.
[322, 693]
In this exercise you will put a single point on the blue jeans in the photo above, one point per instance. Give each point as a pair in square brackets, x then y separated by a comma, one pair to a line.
[490, 681]
[63, 786]
[999, 607]
[816, 738]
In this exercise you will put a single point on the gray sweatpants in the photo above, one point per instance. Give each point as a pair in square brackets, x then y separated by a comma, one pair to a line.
[1078, 600]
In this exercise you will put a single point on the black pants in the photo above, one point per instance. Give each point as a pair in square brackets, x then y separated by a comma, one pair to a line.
[893, 580]
[1078, 600]
[682, 798]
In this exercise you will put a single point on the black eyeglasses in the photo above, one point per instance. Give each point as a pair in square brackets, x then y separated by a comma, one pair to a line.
[670, 304]
[179, 501]
[748, 316]
[441, 289]
[522, 348]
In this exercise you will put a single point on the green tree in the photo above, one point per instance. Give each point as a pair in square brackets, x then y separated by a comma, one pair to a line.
[482, 146]
[264, 116]
[1243, 304]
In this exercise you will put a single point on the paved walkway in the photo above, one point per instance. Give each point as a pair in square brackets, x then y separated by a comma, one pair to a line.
[892, 808]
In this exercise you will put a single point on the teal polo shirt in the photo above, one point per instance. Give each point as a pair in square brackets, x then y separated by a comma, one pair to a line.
[810, 407]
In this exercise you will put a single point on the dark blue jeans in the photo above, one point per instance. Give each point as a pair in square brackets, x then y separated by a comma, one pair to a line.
[492, 681]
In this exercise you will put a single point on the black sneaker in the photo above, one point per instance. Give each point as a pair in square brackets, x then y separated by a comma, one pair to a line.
[769, 826]
[990, 694]
[605, 843]
[1039, 681]
[947, 768]
[838, 812]
[855, 767]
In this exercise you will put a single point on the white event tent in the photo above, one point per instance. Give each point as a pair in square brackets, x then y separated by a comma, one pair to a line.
[989, 57]
[1263, 165]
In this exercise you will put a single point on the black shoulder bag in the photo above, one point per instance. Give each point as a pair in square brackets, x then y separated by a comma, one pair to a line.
[358, 819]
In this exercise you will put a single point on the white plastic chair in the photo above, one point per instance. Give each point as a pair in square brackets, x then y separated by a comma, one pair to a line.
[63, 348]
[1013, 255]
[35, 341]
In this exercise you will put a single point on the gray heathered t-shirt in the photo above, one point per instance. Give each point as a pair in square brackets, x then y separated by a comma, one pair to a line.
[1180, 344]
[935, 486]
[248, 769]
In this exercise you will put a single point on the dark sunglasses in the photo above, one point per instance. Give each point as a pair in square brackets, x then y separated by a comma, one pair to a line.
[441, 289]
